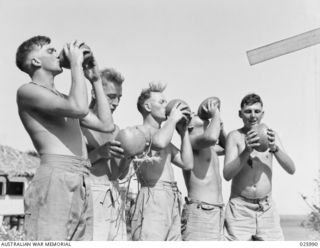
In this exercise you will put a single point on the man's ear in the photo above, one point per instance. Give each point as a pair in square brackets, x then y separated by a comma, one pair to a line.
[240, 113]
[262, 115]
[147, 107]
[35, 62]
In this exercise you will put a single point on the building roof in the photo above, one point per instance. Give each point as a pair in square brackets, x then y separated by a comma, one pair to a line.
[17, 163]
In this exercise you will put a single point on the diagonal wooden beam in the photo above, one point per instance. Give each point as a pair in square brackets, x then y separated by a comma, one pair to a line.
[284, 46]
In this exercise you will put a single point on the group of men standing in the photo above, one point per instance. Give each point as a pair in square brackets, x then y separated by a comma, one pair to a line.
[74, 194]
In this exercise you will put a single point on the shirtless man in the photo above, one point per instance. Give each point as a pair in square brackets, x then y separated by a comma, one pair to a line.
[157, 210]
[108, 207]
[202, 215]
[250, 213]
[58, 202]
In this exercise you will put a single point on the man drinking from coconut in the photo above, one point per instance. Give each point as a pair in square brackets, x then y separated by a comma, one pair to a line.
[202, 215]
[58, 202]
[250, 213]
[157, 210]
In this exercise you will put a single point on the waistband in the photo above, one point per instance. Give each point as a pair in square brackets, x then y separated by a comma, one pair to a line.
[160, 184]
[104, 186]
[188, 200]
[255, 201]
[66, 162]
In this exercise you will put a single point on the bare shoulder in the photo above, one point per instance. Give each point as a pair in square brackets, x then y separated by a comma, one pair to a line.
[23, 90]
[234, 135]
[32, 91]
[24, 93]
[146, 131]
[142, 128]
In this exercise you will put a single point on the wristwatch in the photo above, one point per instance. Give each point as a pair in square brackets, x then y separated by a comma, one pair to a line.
[276, 149]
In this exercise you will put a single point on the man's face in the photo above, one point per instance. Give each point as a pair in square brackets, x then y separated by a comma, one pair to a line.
[251, 114]
[47, 57]
[113, 93]
[157, 105]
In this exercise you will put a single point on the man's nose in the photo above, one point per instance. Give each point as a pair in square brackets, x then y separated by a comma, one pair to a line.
[115, 101]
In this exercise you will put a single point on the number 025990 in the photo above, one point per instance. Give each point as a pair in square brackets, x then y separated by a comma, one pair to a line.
[309, 243]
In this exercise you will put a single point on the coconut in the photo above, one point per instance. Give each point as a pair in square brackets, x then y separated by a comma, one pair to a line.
[262, 130]
[132, 141]
[185, 106]
[203, 113]
[87, 58]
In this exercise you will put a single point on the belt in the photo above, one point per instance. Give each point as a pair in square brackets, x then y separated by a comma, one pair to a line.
[201, 203]
[255, 201]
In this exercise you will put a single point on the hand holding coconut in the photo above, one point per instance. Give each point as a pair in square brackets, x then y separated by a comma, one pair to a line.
[252, 140]
[91, 71]
[84, 55]
[209, 107]
[260, 138]
[181, 126]
[273, 148]
[213, 108]
[177, 110]
[112, 149]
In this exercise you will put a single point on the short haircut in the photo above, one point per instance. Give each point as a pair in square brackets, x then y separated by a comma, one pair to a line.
[111, 75]
[146, 93]
[251, 99]
[107, 75]
[25, 48]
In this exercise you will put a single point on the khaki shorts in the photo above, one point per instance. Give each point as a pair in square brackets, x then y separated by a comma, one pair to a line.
[202, 221]
[108, 212]
[157, 213]
[58, 201]
[245, 218]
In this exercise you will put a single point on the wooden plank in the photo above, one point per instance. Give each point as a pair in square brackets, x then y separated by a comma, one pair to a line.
[284, 46]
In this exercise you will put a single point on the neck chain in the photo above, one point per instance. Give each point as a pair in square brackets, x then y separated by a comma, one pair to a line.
[50, 89]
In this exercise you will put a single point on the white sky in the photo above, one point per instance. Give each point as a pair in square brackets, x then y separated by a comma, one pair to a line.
[195, 47]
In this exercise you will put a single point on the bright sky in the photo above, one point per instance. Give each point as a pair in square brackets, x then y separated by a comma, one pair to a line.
[198, 49]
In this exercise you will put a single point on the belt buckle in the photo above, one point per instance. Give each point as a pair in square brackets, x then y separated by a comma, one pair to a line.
[206, 206]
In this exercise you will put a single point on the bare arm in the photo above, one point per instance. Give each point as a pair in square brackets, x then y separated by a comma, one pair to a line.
[183, 159]
[222, 136]
[220, 147]
[75, 105]
[102, 121]
[219, 150]
[210, 135]
[281, 156]
[163, 136]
